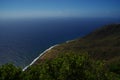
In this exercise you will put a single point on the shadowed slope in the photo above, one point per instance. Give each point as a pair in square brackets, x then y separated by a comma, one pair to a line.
[103, 44]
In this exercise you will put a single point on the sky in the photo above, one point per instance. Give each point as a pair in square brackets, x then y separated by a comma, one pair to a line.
[59, 8]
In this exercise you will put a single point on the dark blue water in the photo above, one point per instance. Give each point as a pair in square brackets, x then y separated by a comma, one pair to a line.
[22, 40]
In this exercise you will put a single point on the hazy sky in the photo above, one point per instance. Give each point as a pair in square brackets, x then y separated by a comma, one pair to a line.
[59, 8]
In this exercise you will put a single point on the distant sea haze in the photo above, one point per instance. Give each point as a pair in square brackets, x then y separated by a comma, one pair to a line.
[22, 40]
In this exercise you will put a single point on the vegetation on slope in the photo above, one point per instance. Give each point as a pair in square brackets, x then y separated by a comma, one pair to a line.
[69, 66]
[102, 44]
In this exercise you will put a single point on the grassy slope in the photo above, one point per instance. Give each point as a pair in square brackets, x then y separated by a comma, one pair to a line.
[101, 44]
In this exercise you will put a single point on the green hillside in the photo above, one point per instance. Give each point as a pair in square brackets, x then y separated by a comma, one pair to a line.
[102, 44]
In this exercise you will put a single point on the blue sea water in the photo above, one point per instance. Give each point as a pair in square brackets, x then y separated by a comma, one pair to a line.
[22, 40]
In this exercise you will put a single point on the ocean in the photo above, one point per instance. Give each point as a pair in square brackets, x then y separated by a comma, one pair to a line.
[22, 40]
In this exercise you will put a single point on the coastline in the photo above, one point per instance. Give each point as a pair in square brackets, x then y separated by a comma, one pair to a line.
[69, 41]
[39, 57]
[43, 54]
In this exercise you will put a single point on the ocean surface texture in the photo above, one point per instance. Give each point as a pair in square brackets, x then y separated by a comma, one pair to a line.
[22, 40]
